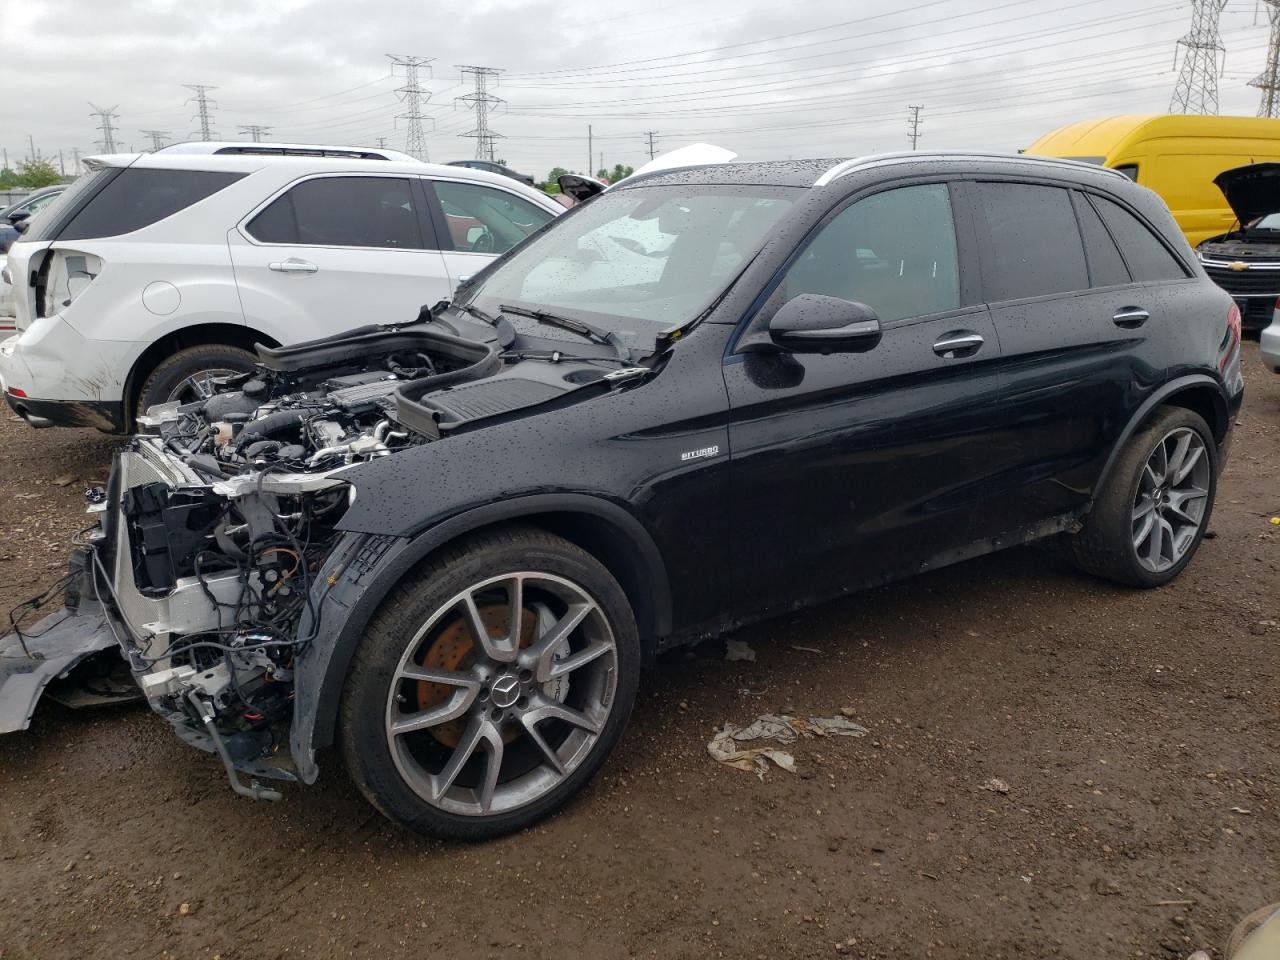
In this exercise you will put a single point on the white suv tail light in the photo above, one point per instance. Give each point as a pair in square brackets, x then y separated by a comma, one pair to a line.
[64, 276]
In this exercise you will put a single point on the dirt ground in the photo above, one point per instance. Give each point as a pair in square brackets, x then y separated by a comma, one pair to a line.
[1138, 735]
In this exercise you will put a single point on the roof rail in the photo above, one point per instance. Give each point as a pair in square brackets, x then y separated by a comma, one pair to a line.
[845, 167]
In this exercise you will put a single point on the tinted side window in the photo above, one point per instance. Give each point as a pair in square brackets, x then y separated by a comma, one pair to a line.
[137, 198]
[894, 251]
[1035, 247]
[1106, 267]
[1147, 257]
[485, 220]
[343, 212]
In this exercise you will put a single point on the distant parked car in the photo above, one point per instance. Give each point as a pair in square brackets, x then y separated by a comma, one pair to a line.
[488, 166]
[1245, 261]
[1271, 341]
[22, 211]
[211, 254]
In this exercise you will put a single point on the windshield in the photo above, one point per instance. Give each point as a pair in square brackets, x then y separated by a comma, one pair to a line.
[1270, 222]
[637, 262]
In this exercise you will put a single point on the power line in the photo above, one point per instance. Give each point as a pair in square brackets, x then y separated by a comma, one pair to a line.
[203, 103]
[157, 138]
[482, 101]
[256, 131]
[1268, 81]
[105, 115]
[914, 123]
[413, 97]
[1197, 88]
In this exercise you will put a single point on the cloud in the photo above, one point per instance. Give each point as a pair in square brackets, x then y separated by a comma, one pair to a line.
[769, 79]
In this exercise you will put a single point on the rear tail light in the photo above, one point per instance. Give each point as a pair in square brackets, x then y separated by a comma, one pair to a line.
[15, 392]
[1234, 322]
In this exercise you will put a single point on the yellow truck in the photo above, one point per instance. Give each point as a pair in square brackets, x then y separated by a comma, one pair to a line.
[1175, 155]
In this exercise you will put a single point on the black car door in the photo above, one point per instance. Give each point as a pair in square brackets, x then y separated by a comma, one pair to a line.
[1074, 330]
[852, 467]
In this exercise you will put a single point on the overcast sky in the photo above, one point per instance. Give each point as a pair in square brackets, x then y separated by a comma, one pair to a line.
[767, 78]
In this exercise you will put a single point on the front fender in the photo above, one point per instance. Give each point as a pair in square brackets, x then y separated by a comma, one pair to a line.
[364, 567]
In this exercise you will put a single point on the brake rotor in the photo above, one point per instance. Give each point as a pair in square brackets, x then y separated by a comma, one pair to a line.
[453, 649]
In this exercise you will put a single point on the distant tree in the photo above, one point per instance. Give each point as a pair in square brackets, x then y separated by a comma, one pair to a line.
[37, 173]
[603, 174]
[8, 179]
[620, 172]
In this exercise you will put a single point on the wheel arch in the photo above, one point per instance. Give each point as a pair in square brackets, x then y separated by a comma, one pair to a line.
[201, 334]
[607, 531]
[1198, 393]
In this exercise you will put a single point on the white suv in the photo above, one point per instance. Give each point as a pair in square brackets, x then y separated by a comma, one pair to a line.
[154, 272]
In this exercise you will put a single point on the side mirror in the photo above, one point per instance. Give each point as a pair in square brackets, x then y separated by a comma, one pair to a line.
[812, 323]
[18, 216]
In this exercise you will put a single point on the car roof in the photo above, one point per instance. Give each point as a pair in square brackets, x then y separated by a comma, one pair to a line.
[820, 173]
[289, 167]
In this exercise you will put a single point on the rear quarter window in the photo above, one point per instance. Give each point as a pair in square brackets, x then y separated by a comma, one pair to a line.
[1148, 258]
[139, 197]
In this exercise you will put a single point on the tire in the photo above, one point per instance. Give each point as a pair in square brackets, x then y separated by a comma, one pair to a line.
[180, 373]
[421, 747]
[1106, 546]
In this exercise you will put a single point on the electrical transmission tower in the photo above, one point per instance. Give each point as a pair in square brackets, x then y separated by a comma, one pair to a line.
[1268, 81]
[413, 97]
[157, 138]
[914, 122]
[255, 131]
[482, 101]
[105, 115]
[650, 134]
[203, 102]
[1203, 57]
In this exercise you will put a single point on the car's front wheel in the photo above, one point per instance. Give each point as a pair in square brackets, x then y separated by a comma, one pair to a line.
[1152, 514]
[490, 686]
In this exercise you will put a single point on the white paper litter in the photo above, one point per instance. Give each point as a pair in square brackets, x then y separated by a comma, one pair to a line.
[738, 650]
[777, 727]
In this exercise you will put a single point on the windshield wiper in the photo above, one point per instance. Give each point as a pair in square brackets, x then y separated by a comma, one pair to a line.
[476, 312]
[606, 337]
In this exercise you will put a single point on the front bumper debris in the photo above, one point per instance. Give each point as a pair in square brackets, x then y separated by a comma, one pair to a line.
[48, 650]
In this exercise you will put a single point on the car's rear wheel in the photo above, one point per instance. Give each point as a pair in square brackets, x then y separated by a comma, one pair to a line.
[1151, 516]
[490, 686]
[188, 375]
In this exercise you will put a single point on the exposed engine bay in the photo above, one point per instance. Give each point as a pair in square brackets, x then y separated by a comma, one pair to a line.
[219, 515]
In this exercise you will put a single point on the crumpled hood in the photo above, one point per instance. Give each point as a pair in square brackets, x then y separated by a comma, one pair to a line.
[1251, 191]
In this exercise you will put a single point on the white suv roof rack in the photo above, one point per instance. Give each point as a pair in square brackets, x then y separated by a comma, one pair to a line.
[268, 149]
[880, 159]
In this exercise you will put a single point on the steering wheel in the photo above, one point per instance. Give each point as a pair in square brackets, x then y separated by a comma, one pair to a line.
[485, 243]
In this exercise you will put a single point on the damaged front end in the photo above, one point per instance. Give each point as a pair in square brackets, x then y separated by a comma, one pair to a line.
[207, 568]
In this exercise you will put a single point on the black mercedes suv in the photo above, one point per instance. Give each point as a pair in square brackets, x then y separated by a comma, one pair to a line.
[709, 395]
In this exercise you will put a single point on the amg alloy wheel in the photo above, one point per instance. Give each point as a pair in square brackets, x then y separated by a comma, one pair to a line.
[480, 718]
[1172, 495]
[490, 685]
[1151, 513]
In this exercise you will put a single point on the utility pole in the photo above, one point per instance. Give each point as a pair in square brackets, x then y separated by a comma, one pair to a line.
[203, 102]
[914, 122]
[255, 131]
[75, 161]
[590, 150]
[382, 143]
[62, 167]
[482, 101]
[157, 138]
[31, 142]
[601, 167]
[413, 97]
[1268, 81]
[652, 149]
[105, 115]
[1197, 88]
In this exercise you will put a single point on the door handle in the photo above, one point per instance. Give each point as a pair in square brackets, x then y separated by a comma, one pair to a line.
[1131, 317]
[292, 265]
[959, 343]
